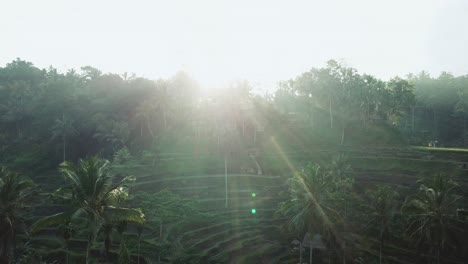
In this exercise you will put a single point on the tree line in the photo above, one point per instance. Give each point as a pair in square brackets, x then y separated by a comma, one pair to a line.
[45, 113]
[421, 107]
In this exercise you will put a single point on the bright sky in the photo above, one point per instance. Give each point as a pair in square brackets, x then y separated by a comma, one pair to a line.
[263, 41]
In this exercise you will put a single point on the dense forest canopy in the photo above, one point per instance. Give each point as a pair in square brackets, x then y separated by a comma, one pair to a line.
[45, 113]
[151, 168]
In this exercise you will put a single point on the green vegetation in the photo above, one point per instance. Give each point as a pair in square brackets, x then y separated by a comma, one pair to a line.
[13, 198]
[130, 170]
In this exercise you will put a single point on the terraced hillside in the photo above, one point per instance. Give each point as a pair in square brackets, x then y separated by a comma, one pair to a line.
[236, 232]
[243, 236]
[244, 229]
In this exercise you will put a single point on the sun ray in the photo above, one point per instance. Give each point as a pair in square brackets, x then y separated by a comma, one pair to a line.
[295, 171]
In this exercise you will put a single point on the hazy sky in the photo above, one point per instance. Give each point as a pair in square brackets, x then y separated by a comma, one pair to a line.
[218, 41]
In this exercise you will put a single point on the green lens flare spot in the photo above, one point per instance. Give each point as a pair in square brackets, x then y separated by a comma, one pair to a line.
[254, 194]
[253, 211]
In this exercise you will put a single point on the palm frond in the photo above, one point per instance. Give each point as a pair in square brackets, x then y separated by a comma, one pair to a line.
[53, 220]
[115, 214]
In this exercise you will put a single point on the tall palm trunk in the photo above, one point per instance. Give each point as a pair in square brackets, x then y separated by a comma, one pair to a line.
[311, 114]
[164, 119]
[139, 233]
[255, 134]
[300, 252]
[439, 249]
[464, 131]
[4, 250]
[243, 127]
[107, 244]
[18, 129]
[343, 134]
[380, 252]
[160, 240]
[367, 118]
[139, 243]
[15, 257]
[88, 247]
[4, 258]
[67, 254]
[225, 181]
[259, 169]
[150, 129]
[310, 255]
[107, 239]
[331, 112]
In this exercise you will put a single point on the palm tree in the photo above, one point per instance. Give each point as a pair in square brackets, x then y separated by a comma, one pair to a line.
[17, 109]
[63, 128]
[163, 102]
[308, 204]
[106, 229]
[13, 196]
[15, 112]
[340, 168]
[91, 197]
[381, 207]
[145, 113]
[115, 132]
[431, 213]
[371, 96]
[340, 172]
[66, 231]
[461, 109]
[314, 202]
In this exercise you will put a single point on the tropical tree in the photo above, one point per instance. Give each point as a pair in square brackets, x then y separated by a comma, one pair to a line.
[373, 97]
[432, 213]
[298, 93]
[90, 73]
[114, 132]
[161, 209]
[339, 167]
[402, 98]
[163, 101]
[285, 98]
[124, 254]
[14, 193]
[307, 202]
[17, 109]
[91, 197]
[66, 231]
[380, 208]
[340, 172]
[63, 128]
[145, 113]
[461, 109]
[348, 92]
